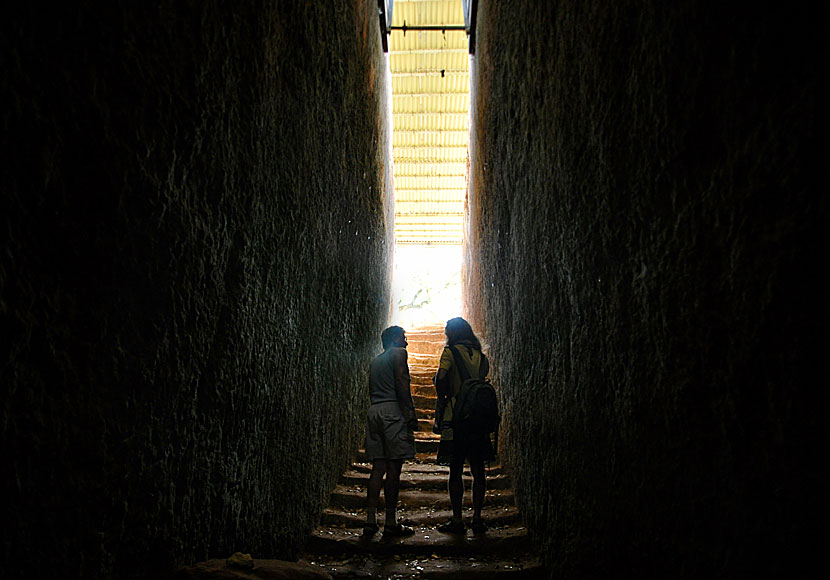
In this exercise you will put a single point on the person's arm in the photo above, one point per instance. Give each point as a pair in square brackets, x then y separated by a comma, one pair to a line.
[442, 383]
[442, 377]
[402, 392]
[484, 368]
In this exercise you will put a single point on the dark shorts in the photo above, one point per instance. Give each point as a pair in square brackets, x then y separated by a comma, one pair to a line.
[479, 450]
[387, 435]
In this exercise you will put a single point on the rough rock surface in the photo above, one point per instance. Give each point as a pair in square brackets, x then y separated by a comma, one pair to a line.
[193, 276]
[648, 235]
[262, 570]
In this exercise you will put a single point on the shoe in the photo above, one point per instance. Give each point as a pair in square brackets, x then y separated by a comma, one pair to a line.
[479, 526]
[452, 527]
[397, 531]
[370, 529]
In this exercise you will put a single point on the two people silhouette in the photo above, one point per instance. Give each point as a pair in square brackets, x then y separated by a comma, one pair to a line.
[391, 423]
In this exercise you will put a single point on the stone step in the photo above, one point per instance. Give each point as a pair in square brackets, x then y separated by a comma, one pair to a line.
[431, 467]
[423, 390]
[427, 437]
[432, 567]
[420, 459]
[426, 390]
[432, 326]
[324, 566]
[424, 401]
[423, 371]
[426, 445]
[425, 350]
[424, 481]
[423, 377]
[423, 359]
[427, 344]
[426, 450]
[430, 330]
[424, 355]
[355, 497]
[495, 516]
[429, 337]
[505, 541]
[427, 414]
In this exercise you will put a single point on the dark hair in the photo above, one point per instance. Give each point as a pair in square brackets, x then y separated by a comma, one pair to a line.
[459, 330]
[390, 335]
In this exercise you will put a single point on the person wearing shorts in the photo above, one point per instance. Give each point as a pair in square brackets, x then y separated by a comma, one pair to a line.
[390, 430]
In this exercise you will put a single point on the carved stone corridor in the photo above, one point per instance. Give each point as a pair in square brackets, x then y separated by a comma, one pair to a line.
[197, 251]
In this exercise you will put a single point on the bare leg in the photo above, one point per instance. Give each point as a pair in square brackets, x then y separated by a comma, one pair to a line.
[391, 527]
[375, 480]
[393, 482]
[479, 487]
[456, 488]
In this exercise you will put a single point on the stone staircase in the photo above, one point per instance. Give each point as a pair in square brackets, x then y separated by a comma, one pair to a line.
[504, 551]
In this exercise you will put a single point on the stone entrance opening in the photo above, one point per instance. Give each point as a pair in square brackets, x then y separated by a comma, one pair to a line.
[429, 62]
[427, 284]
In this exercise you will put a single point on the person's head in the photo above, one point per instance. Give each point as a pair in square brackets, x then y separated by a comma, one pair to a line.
[393, 336]
[459, 330]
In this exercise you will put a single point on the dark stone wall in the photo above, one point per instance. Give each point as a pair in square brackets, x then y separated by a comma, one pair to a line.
[193, 276]
[646, 256]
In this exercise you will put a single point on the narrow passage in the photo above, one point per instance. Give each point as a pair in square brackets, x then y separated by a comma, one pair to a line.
[504, 551]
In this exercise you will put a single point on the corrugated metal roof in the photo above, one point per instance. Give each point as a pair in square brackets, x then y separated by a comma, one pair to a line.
[430, 116]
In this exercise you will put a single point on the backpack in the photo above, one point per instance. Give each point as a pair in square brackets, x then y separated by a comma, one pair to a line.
[476, 409]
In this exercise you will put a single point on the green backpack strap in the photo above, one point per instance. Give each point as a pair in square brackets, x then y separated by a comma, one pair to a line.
[459, 362]
[464, 374]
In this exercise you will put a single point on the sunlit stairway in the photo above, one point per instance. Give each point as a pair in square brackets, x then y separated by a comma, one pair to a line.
[504, 551]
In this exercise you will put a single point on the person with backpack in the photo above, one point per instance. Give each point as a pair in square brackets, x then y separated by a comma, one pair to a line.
[467, 413]
[390, 430]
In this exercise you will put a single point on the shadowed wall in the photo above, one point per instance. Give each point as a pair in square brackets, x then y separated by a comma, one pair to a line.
[194, 276]
[647, 235]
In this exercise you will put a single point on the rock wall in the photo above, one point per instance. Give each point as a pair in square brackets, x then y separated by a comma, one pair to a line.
[647, 232]
[193, 277]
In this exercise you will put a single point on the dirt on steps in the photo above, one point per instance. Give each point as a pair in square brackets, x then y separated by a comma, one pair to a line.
[425, 517]
[354, 497]
[430, 467]
[432, 567]
[425, 481]
[510, 539]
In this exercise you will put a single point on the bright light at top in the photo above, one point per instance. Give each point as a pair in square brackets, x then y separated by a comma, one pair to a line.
[427, 284]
